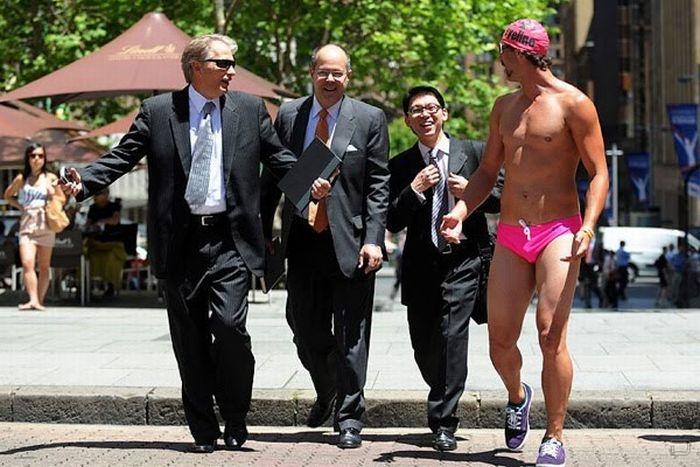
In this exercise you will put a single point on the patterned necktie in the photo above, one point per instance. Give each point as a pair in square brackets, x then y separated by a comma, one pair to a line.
[439, 203]
[198, 181]
[318, 213]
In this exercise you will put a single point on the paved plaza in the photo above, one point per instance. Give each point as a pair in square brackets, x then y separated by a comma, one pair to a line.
[130, 347]
[39, 444]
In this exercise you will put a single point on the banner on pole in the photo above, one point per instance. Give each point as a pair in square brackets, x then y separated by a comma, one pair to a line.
[639, 169]
[684, 124]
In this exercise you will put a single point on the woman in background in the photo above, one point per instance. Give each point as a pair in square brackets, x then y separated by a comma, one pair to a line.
[29, 192]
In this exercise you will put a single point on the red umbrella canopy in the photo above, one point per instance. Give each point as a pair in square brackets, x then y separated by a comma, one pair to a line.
[144, 59]
[20, 123]
[20, 120]
[12, 149]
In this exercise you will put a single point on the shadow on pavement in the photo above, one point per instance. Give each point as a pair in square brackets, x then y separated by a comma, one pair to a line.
[671, 438]
[419, 440]
[162, 445]
[488, 457]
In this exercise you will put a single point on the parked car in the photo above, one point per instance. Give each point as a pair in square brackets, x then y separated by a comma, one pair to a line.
[644, 244]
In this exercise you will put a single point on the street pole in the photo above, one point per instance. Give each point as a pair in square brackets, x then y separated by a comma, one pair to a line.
[614, 152]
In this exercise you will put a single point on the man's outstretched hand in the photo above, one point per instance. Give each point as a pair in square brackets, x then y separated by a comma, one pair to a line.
[71, 184]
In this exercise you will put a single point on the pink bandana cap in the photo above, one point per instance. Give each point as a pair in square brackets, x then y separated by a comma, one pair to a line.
[527, 35]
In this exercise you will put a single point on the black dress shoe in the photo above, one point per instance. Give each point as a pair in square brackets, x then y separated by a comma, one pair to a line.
[235, 438]
[320, 412]
[444, 441]
[203, 448]
[349, 438]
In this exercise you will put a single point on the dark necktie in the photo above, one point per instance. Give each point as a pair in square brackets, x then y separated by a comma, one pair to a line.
[198, 181]
[318, 213]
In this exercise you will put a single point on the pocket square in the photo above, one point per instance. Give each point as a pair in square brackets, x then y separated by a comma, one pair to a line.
[351, 148]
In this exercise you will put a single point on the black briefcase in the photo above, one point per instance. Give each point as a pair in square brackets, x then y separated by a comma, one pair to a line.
[480, 311]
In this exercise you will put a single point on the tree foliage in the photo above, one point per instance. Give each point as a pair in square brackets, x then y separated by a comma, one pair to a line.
[394, 44]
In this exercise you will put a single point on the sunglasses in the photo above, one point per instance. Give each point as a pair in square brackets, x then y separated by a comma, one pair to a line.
[222, 63]
[37, 155]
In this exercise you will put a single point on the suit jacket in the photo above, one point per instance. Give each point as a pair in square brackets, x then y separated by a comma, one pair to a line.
[358, 201]
[161, 133]
[407, 211]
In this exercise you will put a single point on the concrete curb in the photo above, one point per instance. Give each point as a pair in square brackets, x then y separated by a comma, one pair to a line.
[162, 406]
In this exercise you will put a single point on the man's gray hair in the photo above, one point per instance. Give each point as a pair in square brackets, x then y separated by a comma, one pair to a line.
[314, 56]
[198, 49]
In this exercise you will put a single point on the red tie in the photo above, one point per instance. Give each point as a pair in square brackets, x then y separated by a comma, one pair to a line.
[318, 214]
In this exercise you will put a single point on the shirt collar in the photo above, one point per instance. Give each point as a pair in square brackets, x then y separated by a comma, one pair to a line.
[333, 110]
[197, 100]
[443, 145]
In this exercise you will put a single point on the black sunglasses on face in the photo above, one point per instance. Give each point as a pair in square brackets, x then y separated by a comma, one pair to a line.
[222, 63]
[37, 155]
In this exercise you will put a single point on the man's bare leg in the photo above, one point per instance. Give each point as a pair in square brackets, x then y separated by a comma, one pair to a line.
[510, 286]
[556, 284]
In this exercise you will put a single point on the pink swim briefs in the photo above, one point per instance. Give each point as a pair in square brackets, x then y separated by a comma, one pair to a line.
[528, 241]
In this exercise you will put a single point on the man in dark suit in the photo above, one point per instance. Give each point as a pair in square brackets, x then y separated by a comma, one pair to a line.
[440, 282]
[204, 145]
[335, 247]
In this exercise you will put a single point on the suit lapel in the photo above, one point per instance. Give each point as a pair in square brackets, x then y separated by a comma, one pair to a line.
[229, 127]
[457, 157]
[180, 124]
[416, 164]
[344, 128]
[301, 121]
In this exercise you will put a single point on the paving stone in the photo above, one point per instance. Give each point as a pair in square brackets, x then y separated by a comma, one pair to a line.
[675, 409]
[609, 409]
[165, 407]
[6, 394]
[80, 404]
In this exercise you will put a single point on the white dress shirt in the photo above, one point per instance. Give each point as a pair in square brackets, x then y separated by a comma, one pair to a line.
[443, 158]
[332, 119]
[216, 196]
[443, 161]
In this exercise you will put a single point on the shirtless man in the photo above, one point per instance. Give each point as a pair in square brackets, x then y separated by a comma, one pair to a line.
[540, 133]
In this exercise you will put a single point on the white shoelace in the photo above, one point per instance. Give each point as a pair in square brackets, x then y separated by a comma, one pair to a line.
[514, 418]
[551, 448]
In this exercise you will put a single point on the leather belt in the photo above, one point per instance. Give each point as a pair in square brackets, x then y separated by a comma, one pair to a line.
[207, 220]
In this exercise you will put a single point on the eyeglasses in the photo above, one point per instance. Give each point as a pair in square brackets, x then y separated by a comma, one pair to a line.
[324, 74]
[418, 110]
[222, 63]
[37, 155]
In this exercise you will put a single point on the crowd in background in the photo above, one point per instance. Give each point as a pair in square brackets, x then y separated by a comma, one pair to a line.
[605, 274]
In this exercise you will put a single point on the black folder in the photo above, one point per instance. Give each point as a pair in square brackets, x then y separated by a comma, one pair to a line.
[274, 266]
[316, 161]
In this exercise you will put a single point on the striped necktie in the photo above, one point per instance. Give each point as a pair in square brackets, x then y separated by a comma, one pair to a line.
[318, 212]
[439, 202]
[198, 181]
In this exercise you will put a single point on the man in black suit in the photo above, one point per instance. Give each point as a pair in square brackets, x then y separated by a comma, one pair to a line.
[204, 145]
[441, 284]
[335, 247]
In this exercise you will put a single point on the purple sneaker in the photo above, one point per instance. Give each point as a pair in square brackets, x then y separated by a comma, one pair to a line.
[552, 453]
[518, 421]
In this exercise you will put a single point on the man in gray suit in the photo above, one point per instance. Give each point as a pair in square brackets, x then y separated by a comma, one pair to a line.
[204, 145]
[335, 246]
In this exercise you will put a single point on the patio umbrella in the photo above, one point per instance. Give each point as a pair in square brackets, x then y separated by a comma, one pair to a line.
[143, 59]
[21, 123]
[20, 120]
